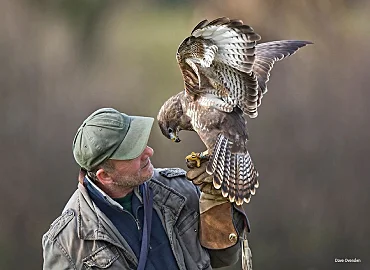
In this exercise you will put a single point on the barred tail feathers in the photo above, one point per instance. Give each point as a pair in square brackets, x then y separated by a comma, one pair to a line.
[233, 173]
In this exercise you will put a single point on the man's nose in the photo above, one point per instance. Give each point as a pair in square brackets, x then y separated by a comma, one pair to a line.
[148, 151]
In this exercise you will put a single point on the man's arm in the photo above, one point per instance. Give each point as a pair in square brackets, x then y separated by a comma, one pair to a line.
[223, 225]
[55, 255]
[221, 229]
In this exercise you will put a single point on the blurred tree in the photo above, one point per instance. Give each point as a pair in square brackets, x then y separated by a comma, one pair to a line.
[84, 16]
[60, 60]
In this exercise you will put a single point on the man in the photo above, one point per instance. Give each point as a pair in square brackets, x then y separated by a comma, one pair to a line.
[127, 215]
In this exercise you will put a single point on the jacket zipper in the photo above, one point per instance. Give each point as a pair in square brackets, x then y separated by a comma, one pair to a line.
[137, 224]
[136, 220]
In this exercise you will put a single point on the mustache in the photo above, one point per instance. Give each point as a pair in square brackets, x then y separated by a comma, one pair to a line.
[146, 163]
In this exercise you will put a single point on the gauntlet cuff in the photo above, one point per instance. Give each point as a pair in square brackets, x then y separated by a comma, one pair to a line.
[217, 230]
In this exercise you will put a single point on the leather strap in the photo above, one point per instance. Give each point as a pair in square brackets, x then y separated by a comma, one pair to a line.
[148, 211]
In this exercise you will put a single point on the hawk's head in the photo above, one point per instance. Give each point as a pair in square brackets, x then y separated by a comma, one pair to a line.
[196, 49]
[191, 47]
[171, 118]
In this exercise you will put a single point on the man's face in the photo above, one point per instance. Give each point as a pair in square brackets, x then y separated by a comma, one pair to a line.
[133, 172]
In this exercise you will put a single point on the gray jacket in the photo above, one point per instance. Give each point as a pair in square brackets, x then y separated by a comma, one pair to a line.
[84, 238]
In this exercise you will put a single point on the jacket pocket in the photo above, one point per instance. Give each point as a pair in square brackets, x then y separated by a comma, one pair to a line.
[187, 222]
[188, 230]
[102, 258]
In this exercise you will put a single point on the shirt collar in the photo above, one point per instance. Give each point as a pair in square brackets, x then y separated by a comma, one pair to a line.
[100, 194]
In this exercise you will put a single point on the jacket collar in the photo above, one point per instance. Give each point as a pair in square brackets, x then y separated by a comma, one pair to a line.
[94, 225]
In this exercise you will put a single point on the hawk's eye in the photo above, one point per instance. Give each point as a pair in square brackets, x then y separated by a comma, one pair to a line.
[170, 130]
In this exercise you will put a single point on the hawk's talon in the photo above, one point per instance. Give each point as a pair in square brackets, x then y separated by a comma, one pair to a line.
[197, 157]
[194, 157]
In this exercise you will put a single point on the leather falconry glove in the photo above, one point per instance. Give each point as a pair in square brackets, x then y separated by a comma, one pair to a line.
[201, 178]
[217, 229]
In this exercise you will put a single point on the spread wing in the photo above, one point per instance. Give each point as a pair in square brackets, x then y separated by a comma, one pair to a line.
[217, 59]
[227, 41]
[221, 63]
[270, 52]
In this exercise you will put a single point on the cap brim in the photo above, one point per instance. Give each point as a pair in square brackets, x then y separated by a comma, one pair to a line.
[136, 138]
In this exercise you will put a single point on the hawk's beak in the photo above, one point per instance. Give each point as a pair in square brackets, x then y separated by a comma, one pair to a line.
[174, 137]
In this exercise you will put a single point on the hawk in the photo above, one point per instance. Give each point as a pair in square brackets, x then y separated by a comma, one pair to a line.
[225, 76]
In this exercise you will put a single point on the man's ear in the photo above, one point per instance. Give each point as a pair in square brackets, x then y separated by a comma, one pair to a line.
[81, 175]
[103, 177]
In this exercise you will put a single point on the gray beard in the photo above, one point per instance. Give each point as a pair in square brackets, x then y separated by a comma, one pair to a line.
[132, 181]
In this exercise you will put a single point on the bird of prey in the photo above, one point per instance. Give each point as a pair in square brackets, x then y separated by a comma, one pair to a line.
[225, 75]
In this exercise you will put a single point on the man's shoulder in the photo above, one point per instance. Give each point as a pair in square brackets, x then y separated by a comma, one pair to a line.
[171, 172]
[172, 177]
[174, 180]
[68, 214]
[59, 224]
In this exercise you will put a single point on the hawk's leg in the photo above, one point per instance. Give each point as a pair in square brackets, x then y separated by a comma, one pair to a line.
[197, 157]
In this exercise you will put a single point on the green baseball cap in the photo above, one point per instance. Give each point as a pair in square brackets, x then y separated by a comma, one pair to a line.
[109, 134]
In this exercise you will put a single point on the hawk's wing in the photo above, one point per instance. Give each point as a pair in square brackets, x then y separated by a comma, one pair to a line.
[270, 52]
[221, 59]
[217, 60]
[229, 42]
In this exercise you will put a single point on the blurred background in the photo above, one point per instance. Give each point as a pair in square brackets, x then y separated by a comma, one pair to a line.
[61, 60]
